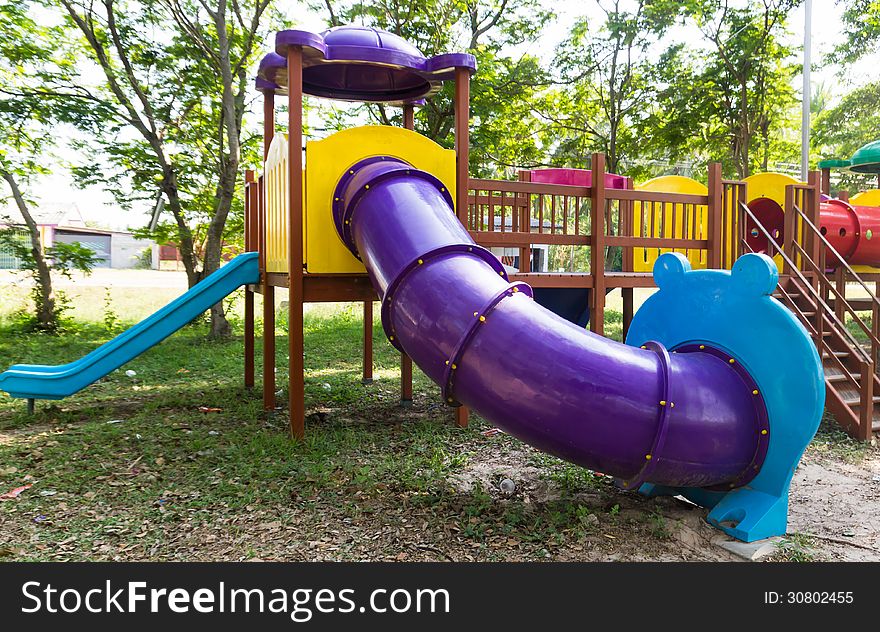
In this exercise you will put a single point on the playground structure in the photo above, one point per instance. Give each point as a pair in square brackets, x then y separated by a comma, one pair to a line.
[719, 388]
[695, 404]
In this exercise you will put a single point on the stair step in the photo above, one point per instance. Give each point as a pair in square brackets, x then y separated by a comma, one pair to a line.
[792, 295]
[837, 354]
[840, 377]
[825, 334]
[849, 401]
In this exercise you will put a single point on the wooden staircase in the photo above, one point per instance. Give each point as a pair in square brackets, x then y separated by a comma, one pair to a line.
[852, 386]
[818, 298]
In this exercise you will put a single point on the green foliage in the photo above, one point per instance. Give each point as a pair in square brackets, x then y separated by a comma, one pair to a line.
[861, 19]
[606, 78]
[733, 102]
[111, 317]
[504, 127]
[840, 130]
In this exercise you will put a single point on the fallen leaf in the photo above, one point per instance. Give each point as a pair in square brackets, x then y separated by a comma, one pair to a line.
[14, 493]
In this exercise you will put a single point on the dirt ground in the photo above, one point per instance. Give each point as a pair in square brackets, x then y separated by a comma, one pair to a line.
[834, 507]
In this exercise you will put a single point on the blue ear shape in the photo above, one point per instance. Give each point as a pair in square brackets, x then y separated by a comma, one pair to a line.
[669, 269]
[755, 275]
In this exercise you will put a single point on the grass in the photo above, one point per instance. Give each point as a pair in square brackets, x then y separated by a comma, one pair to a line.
[129, 468]
[832, 441]
[795, 547]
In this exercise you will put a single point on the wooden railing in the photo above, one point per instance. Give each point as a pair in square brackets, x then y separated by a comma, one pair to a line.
[837, 288]
[810, 276]
[509, 214]
[517, 214]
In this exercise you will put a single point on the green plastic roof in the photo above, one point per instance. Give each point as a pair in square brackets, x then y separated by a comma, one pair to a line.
[833, 163]
[866, 159]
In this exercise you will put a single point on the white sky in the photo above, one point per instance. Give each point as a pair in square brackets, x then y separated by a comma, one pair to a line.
[97, 205]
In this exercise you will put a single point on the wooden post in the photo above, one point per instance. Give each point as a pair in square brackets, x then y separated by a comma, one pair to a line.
[628, 230]
[597, 245]
[406, 389]
[715, 216]
[462, 156]
[409, 116]
[840, 285]
[866, 410]
[268, 290]
[296, 393]
[826, 181]
[250, 208]
[813, 245]
[525, 223]
[368, 343]
[788, 229]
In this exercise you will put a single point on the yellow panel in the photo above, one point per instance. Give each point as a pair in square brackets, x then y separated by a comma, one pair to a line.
[866, 198]
[328, 159]
[770, 185]
[658, 218]
[277, 205]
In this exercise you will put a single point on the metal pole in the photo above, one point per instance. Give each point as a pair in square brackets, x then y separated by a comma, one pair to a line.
[805, 111]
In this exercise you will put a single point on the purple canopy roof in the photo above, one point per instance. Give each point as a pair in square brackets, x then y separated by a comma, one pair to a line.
[356, 63]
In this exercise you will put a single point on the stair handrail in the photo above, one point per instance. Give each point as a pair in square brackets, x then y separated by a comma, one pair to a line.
[873, 332]
[840, 297]
[833, 251]
[829, 311]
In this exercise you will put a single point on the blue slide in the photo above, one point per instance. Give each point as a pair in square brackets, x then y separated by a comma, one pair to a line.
[35, 381]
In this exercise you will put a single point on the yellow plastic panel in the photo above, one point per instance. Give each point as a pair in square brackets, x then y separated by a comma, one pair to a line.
[658, 220]
[327, 160]
[769, 185]
[870, 197]
[277, 205]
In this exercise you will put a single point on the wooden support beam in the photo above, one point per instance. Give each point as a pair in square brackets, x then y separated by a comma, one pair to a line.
[406, 390]
[628, 309]
[597, 250]
[268, 290]
[296, 392]
[251, 193]
[368, 343]
[462, 108]
[715, 217]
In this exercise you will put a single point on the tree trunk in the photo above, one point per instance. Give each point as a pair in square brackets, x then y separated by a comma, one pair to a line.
[44, 297]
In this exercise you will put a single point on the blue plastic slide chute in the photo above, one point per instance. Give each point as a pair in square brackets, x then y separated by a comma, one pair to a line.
[34, 381]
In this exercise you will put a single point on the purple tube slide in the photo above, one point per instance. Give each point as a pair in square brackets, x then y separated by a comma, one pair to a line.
[584, 398]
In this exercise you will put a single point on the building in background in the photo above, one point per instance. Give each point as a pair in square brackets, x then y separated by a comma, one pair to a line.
[63, 223]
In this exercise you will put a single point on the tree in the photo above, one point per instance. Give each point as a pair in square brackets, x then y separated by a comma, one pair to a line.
[840, 130]
[505, 132]
[735, 102]
[861, 19]
[606, 73]
[174, 84]
[26, 136]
